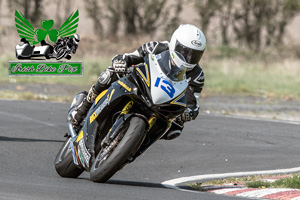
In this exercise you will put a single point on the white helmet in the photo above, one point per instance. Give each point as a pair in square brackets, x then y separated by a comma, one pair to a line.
[190, 42]
[76, 38]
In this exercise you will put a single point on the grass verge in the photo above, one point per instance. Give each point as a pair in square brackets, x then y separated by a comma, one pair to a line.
[290, 182]
[224, 76]
[26, 95]
[258, 181]
[254, 78]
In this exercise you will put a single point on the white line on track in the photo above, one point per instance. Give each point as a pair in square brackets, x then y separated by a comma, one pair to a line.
[24, 117]
[175, 183]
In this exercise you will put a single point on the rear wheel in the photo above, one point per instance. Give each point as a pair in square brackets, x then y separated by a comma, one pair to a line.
[64, 164]
[111, 158]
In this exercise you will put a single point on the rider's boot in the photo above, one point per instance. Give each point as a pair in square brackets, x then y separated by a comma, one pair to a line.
[174, 131]
[68, 57]
[82, 109]
[103, 83]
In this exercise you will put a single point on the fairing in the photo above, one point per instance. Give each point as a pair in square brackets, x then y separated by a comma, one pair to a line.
[163, 88]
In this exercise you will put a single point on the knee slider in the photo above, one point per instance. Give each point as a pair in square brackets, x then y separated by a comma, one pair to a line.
[104, 77]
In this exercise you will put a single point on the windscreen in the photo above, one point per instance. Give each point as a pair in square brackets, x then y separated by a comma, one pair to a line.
[168, 66]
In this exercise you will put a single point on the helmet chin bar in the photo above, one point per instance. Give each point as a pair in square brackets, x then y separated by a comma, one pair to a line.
[189, 67]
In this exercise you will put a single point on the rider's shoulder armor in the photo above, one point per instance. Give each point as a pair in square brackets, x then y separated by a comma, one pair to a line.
[153, 47]
[138, 55]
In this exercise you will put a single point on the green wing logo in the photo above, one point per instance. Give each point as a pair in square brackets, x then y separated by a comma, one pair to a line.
[69, 28]
[26, 30]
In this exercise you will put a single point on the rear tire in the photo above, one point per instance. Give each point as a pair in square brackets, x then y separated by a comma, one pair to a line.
[64, 164]
[102, 170]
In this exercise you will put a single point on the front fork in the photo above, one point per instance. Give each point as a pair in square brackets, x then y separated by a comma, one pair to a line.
[151, 120]
[119, 122]
[170, 121]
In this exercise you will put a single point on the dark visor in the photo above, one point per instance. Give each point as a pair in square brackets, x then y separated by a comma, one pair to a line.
[192, 56]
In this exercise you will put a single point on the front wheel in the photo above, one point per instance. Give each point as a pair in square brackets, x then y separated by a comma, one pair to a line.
[61, 54]
[64, 164]
[111, 158]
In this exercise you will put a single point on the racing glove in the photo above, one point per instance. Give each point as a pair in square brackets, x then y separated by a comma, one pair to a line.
[119, 63]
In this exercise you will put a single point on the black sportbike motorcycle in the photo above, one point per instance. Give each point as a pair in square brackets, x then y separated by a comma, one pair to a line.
[125, 120]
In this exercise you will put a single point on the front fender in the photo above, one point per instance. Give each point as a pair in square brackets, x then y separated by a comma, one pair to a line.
[122, 120]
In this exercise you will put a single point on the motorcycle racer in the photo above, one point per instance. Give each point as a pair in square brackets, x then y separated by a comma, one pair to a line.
[187, 40]
[70, 42]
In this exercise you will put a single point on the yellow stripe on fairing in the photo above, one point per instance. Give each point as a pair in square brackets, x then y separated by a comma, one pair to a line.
[178, 103]
[80, 136]
[148, 77]
[100, 96]
[124, 86]
[93, 116]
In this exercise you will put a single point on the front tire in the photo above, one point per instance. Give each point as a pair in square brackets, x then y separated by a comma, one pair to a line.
[108, 163]
[64, 164]
[61, 54]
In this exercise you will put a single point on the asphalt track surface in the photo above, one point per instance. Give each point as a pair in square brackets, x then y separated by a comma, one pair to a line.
[31, 133]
